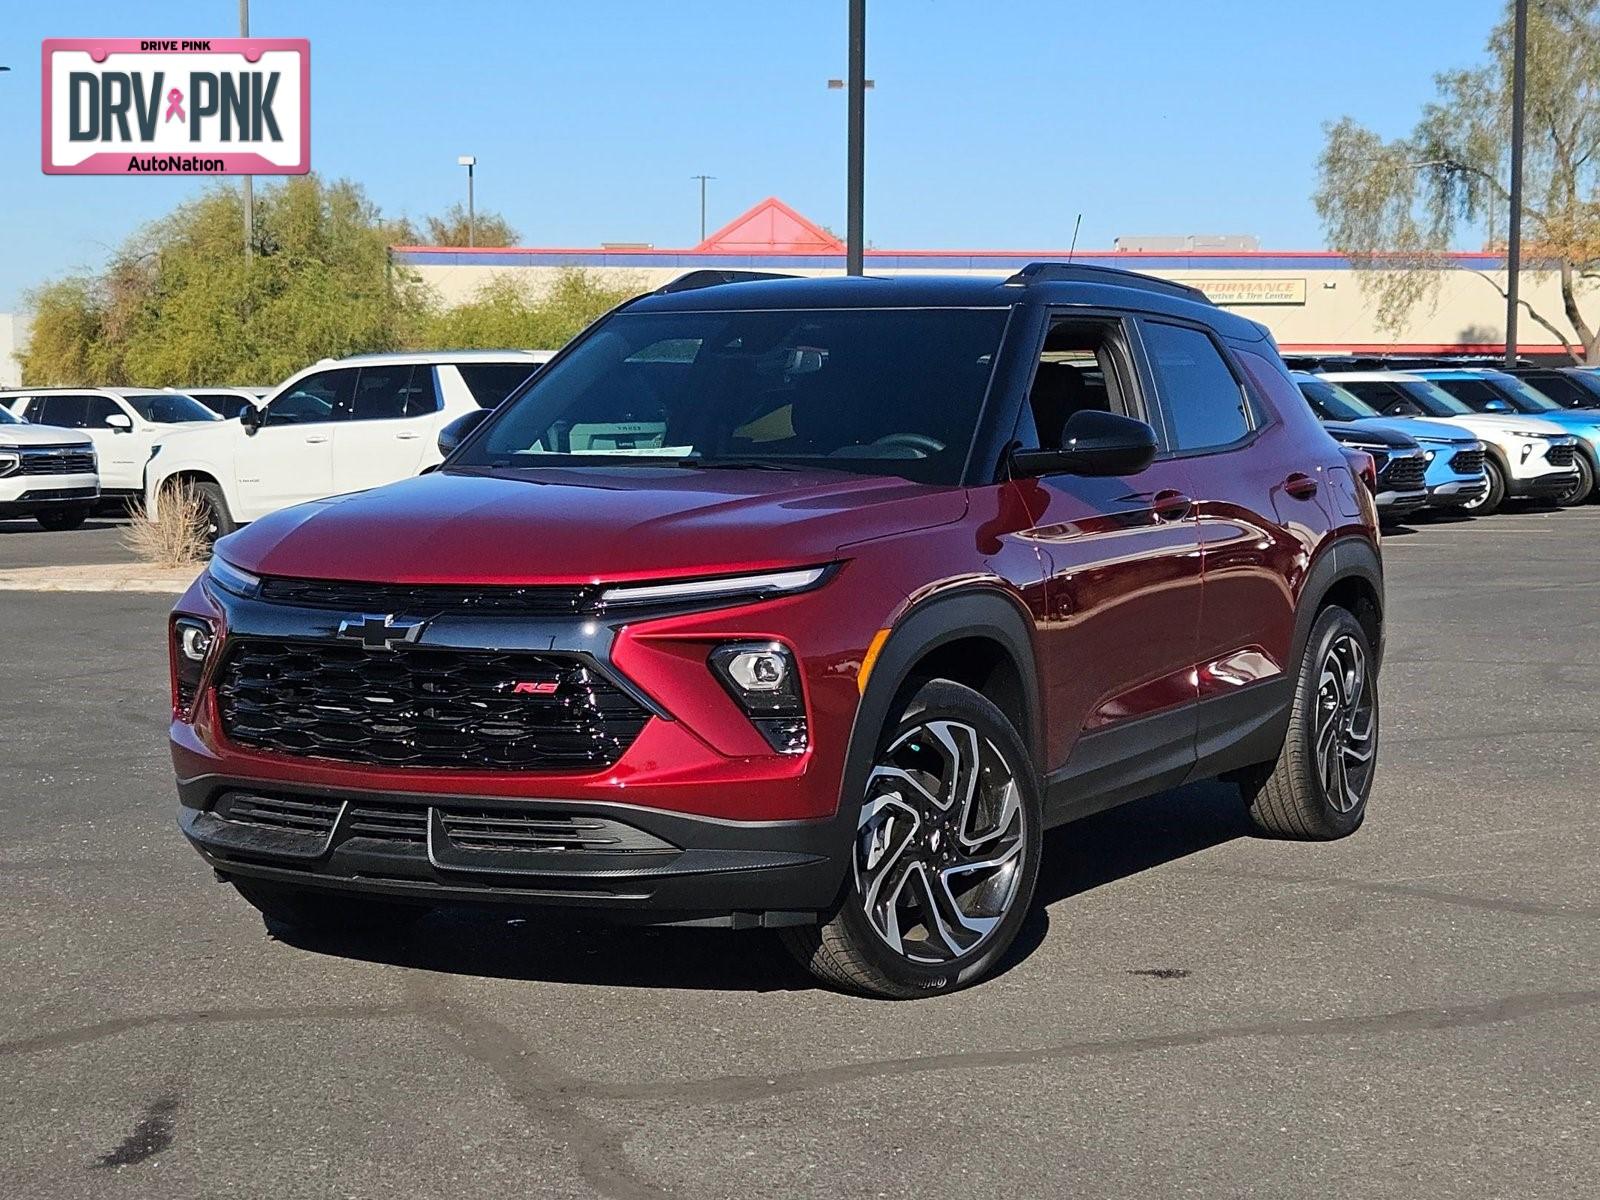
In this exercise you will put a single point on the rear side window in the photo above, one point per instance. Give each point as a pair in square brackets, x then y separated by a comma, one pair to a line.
[422, 394]
[490, 383]
[1205, 404]
[1474, 392]
[1560, 388]
[380, 393]
[67, 412]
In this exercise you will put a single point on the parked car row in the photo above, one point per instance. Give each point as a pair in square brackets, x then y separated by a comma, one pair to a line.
[1483, 435]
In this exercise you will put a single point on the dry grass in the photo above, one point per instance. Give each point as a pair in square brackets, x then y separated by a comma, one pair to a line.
[177, 537]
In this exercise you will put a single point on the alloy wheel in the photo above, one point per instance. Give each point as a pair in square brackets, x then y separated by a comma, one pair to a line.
[1346, 726]
[939, 846]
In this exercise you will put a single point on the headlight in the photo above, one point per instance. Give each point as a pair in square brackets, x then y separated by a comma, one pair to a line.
[10, 459]
[763, 679]
[193, 639]
[231, 579]
[1522, 433]
[721, 587]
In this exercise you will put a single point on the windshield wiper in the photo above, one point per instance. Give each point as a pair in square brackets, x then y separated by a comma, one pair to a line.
[735, 464]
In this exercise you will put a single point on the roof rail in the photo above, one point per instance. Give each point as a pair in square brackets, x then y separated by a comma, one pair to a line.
[1068, 272]
[713, 277]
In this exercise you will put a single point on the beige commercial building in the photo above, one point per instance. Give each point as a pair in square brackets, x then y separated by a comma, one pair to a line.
[1312, 300]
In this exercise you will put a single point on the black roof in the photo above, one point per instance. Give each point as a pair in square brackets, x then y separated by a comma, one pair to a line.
[704, 292]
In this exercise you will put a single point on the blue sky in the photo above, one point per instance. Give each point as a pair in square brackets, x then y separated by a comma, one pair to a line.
[993, 124]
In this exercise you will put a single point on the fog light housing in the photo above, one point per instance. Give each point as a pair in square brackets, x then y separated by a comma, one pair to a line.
[764, 680]
[193, 640]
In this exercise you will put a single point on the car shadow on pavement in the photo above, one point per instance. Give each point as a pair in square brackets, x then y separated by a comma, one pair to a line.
[1078, 857]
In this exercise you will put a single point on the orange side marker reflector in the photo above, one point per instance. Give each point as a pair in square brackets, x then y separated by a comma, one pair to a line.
[870, 659]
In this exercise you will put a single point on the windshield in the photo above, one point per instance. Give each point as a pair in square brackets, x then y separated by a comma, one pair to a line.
[1332, 403]
[1432, 399]
[7, 417]
[169, 408]
[875, 391]
[1525, 398]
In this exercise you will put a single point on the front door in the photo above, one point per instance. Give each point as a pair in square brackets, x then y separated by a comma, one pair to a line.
[289, 458]
[1123, 581]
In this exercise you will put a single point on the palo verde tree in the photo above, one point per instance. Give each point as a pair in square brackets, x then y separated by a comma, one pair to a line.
[1395, 207]
[454, 228]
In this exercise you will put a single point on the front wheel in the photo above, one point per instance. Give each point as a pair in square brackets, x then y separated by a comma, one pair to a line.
[1489, 503]
[945, 856]
[1318, 787]
[1582, 487]
[212, 513]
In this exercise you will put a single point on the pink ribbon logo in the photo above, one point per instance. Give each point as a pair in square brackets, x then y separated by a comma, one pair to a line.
[175, 106]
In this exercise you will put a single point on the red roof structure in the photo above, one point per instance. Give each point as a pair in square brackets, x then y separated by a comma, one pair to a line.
[771, 227]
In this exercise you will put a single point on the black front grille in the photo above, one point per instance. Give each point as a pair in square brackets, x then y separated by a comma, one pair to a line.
[431, 599]
[512, 831]
[56, 460]
[78, 493]
[425, 707]
[1467, 462]
[1562, 456]
[294, 814]
[1403, 474]
[387, 822]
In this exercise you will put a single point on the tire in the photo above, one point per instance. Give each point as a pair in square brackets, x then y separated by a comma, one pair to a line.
[312, 910]
[59, 520]
[1316, 797]
[915, 839]
[1581, 490]
[214, 511]
[1494, 497]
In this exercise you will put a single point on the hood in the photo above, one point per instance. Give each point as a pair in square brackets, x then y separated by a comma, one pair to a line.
[1369, 434]
[212, 435]
[1492, 424]
[42, 435]
[1584, 423]
[1420, 429]
[586, 525]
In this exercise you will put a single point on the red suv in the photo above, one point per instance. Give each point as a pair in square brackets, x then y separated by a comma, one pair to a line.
[797, 603]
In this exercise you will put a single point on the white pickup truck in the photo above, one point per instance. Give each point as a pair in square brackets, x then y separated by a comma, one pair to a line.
[341, 425]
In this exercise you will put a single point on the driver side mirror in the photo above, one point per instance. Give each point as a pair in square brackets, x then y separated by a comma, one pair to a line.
[1497, 406]
[453, 434]
[1092, 443]
[252, 418]
[119, 423]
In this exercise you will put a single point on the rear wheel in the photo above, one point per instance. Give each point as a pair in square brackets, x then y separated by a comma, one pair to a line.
[1489, 503]
[1318, 787]
[324, 912]
[1582, 487]
[58, 520]
[945, 856]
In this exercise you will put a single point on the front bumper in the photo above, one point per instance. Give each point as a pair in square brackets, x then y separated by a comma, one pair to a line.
[1393, 503]
[1541, 486]
[635, 865]
[24, 495]
[1458, 493]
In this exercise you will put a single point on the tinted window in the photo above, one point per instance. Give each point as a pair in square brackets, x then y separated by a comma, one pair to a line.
[1563, 389]
[168, 408]
[1332, 403]
[225, 404]
[491, 383]
[324, 396]
[422, 393]
[380, 393]
[1205, 406]
[68, 412]
[893, 392]
[98, 409]
[1474, 393]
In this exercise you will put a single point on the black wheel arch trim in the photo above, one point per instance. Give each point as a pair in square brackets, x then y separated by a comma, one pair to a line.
[1347, 557]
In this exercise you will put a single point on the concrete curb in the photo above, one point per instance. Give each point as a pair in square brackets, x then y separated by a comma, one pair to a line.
[109, 577]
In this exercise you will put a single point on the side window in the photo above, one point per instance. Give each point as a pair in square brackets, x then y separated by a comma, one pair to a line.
[1384, 397]
[1083, 366]
[324, 396]
[98, 409]
[1205, 405]
[422, 393]
[380, 393]
[66, 412]
[491, 383]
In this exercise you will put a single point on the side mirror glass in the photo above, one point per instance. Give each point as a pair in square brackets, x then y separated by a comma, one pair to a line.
[1497, 406]
[120, 422]
[252, 417]
[1092, 443]
[453, 434]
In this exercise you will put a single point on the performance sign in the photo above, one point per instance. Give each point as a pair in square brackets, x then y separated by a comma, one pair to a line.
[1262, 290]
[167, 106]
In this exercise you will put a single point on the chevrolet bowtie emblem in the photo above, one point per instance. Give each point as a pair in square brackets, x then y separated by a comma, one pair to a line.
[380, 631]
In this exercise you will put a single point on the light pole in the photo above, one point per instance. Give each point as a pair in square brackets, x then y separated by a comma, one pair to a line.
[702, 179]
[857, 150]
[469, 161]
[1519, 88]
[247, 181]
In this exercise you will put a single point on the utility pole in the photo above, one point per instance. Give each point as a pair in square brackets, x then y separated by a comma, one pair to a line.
[469, 161]
[857, 136]
[249, 184]
[702, 179]
[1519, 88]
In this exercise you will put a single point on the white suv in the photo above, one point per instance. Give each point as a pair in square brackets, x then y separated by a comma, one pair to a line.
[123, 423]
[47, 474]
[339, 426]
[1526, 456]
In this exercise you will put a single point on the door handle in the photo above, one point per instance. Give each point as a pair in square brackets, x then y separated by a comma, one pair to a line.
[313, 439]
[407, 435]
[1300, 486]
[1169, 505]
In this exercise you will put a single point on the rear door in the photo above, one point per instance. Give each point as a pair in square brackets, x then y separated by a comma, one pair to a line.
[289, 458]
[1253, 489]
[388, 428]
[1123, 586]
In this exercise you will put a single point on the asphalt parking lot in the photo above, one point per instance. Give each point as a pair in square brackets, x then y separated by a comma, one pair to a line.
[1194, 1011]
